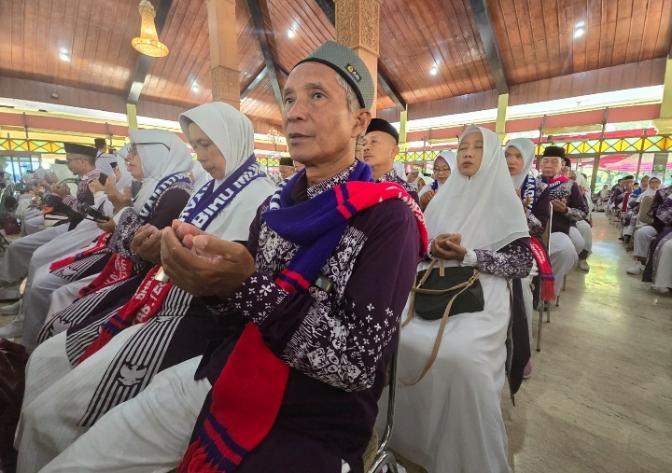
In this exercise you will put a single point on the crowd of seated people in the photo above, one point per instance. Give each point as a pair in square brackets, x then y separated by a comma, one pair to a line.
[648, 232]
[216, 321]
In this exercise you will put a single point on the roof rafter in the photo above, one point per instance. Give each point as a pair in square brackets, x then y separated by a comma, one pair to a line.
[259, 10]
[484, 22]
[254, 82]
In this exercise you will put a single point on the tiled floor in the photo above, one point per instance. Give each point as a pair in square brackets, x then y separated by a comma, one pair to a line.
[600, 398]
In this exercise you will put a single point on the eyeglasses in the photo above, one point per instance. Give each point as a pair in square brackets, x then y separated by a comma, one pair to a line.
[69, 160]
[441, 169]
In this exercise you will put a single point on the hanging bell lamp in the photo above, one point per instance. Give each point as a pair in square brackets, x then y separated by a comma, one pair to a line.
[148, 43]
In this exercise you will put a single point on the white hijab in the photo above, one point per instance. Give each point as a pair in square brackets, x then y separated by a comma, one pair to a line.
[162, 153]
[229, 130]
[400, 168]
[484, 209]
[126, 177]
[450, 159]
[526, 148]
[233, 134]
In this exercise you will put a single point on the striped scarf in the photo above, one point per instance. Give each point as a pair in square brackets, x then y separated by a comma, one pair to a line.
[248, 394]
[200, 211]
[101, 242]
[529, 189]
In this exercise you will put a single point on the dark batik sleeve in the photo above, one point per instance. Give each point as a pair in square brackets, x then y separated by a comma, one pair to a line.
[657, 202]
[341, 342]
[664, 211]
[84, 196]
[577, 209]
[167, 209]
[514, 261]
[538, 218]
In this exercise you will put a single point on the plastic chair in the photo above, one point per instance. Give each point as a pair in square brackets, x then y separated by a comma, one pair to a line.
[546, 239]
[384, 456]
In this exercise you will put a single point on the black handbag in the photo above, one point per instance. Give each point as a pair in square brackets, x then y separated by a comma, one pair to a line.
[440, 293]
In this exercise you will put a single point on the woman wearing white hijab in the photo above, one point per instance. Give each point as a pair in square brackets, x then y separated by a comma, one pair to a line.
[536, 198]
[161, 160]
[423, 181]
[177, 330]
[443, 165]
[450, 420]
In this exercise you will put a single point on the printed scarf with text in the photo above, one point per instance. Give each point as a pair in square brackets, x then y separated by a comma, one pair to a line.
[200, 211]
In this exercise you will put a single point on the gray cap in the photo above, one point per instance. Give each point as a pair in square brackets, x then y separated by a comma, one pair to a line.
[346, 62]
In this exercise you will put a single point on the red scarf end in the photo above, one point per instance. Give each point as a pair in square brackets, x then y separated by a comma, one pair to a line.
[547, 291]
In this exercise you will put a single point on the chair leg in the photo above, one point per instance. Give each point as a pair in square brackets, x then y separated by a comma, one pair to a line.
[548, 312]
[541, 323]
[385, 458]
[564, 282]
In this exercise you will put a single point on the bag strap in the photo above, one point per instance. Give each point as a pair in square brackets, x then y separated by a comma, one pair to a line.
[444, 319]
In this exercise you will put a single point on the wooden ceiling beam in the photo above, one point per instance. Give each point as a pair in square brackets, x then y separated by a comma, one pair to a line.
[390, 90]
[253, 83]
[142, 66]
[257, 10]
[329, 9]
[327, 6]
[484, 22]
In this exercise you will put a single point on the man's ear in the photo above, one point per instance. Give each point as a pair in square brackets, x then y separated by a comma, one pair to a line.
[362, 121]
[395, 151]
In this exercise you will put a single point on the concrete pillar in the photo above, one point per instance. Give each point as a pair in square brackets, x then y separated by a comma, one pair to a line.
[358, 27]
[664, 123]
[403, 130]
[132, 116]
[502, 116]
[224, 51]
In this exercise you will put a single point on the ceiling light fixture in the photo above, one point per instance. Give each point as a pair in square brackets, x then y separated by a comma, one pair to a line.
[291, 33]
[579, 32]
[581, 24]
[434, 71]
[194, 87]
[148, 42]
[64, 57]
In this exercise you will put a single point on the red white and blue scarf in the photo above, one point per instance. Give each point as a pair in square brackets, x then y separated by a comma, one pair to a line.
[248, 394]
[556, 182]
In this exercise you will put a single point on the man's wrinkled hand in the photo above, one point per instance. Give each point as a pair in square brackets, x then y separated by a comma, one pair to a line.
[62, 191]
[211, 267]
[559, 206]
[185, 232]
[147, 243]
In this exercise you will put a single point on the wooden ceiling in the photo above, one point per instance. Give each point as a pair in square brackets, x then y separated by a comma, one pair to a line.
[535, 40]
[536, 37]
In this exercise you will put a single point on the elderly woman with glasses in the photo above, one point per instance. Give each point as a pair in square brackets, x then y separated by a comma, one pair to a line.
[442, 169]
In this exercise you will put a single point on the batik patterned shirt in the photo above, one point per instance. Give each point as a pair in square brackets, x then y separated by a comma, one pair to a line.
[84, 195]
[337, 342]
[393, 176]
[577, 209]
